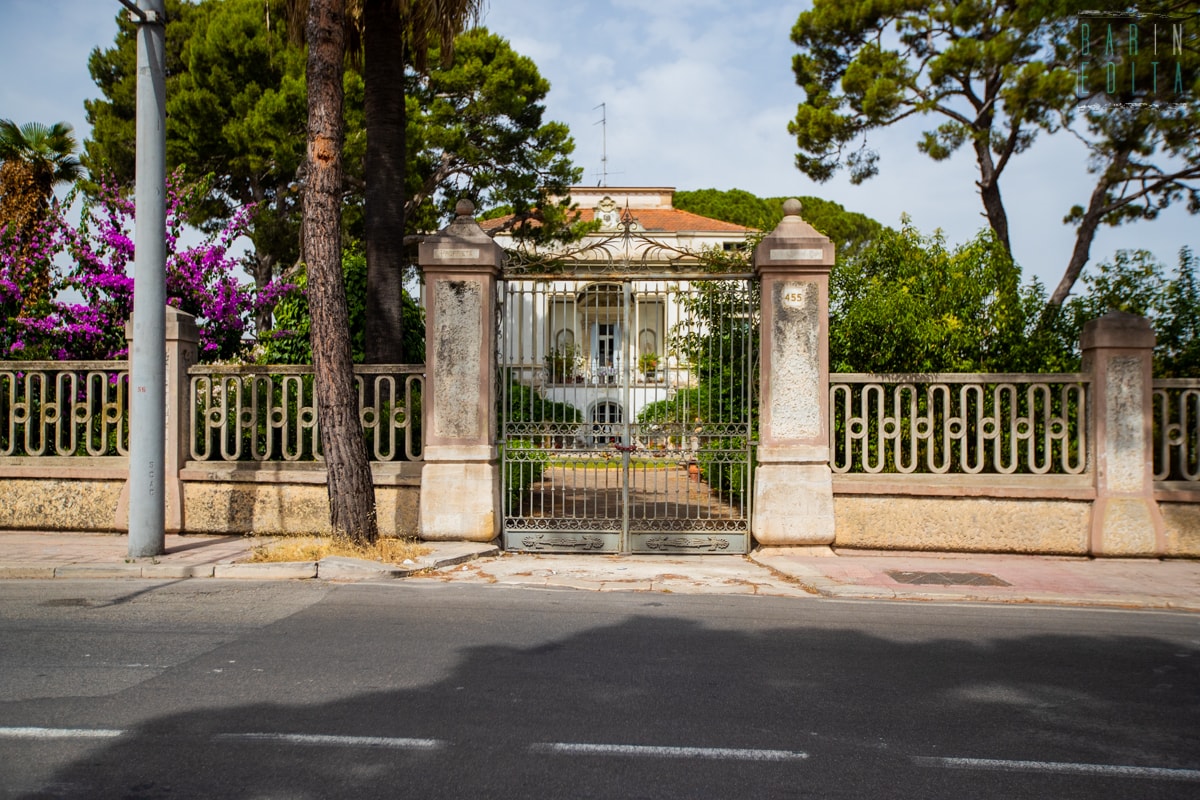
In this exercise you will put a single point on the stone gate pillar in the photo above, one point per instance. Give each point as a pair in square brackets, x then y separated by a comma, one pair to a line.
[1117, 352]
[182, 351]
[793, 485]
[460, 481]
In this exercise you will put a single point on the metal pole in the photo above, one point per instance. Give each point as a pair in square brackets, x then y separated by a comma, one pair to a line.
[147, 359]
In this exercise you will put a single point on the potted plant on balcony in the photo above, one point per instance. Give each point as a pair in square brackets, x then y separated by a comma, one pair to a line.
[562, 364]
[648, 365]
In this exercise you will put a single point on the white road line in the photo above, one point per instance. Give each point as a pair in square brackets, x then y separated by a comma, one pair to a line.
[58, 733]
[1065, 768]
[337, 741]
[719, 753]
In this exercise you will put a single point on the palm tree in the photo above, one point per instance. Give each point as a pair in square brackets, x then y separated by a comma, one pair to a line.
[350, 488]
[396, 33]
[34, 158]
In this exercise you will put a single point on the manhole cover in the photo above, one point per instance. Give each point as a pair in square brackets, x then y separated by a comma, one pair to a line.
[946, 578]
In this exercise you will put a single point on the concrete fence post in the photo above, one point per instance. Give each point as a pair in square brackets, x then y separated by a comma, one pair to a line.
[793, 485]
[1117, 352]
[182, 351]
[460, 480]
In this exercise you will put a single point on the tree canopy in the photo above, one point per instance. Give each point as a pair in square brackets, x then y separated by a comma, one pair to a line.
[1135, 281]
[998, 73]
[850, 231]
[910, 303]
[236, 111]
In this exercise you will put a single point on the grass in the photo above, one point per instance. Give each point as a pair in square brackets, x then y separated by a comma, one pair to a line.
[314, 548]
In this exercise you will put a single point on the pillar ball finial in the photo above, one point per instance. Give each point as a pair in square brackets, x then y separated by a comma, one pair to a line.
[464, 208]
[791, 208]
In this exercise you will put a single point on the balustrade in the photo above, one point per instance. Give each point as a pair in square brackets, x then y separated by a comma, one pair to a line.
[64, 408]
[269, 413]
[1177, 430]
[958, 423]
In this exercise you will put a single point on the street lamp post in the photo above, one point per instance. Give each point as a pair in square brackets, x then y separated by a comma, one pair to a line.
[147, 357]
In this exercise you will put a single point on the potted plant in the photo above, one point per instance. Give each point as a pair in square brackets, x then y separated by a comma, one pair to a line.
[563, 363]
[648, 365]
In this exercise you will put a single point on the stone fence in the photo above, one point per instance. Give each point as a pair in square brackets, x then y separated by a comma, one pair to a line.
[958, 462]
[1102, 462]
[246, 456]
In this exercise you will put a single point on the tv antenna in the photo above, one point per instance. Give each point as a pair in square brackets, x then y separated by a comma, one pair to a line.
[603, 123]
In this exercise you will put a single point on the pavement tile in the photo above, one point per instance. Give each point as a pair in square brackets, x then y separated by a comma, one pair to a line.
[1076, 581]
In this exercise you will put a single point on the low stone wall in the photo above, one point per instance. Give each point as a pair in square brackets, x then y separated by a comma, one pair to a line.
[61, 494]
[964, 513]
[961, 524]
[1182, 520]
[1044, 515]
[289, 498]
[224, 498]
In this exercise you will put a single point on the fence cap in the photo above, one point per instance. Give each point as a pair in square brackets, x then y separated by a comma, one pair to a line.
[461, 243]
[1118, 329]
[793, 243]
[180, 325]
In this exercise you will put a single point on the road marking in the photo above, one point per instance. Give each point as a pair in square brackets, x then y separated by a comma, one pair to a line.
[1066, 768]
[719, 753]
[337, 741]
[58, 733]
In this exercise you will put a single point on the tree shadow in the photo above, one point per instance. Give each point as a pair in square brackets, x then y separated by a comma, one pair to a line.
[861, 707]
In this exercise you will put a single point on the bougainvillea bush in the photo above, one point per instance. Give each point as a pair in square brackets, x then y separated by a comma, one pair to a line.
[83, 315]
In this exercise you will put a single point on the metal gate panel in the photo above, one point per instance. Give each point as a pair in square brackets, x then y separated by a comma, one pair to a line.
[626, 413]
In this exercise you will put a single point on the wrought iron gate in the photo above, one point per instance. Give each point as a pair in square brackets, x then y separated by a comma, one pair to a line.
[627, 413]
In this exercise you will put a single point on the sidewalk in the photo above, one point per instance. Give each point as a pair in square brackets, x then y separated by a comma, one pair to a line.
[1119, 583]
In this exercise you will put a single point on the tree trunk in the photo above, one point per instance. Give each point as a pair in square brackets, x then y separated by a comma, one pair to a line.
[387, 150]
[351, 492]
[1098, 207]
[1079, 255]
[989, 191]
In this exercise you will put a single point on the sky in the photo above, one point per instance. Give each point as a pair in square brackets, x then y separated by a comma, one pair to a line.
[696, 94]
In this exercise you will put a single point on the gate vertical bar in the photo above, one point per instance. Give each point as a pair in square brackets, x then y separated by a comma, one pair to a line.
[793, 494]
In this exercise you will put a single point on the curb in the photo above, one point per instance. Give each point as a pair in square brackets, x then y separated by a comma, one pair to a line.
[333, 568]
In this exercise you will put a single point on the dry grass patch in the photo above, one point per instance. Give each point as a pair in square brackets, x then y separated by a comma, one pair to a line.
[314, 548]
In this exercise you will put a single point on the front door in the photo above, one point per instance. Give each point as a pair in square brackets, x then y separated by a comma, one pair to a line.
[614, 443]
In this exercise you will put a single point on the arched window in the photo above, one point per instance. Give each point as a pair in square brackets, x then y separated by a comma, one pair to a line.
[606, 422]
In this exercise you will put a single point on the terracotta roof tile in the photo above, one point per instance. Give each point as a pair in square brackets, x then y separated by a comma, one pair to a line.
[654, 220]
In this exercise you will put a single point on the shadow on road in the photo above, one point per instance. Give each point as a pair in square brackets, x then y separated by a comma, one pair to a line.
[861, 707]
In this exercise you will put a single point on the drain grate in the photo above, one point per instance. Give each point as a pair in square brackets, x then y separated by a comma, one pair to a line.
[946, 578]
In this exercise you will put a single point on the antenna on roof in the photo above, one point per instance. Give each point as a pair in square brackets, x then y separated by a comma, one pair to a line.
[603, 123]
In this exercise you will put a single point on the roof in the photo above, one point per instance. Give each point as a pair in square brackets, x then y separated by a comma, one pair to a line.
[650, 207]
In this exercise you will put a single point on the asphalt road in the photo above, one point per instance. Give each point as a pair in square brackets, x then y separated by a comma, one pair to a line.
[314, 690]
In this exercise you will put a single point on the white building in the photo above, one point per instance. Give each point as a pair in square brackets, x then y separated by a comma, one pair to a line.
[600, 336]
